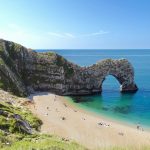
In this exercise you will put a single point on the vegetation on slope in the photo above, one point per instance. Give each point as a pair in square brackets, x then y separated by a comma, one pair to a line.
[15, 134]
[43, 142]
[61, 61]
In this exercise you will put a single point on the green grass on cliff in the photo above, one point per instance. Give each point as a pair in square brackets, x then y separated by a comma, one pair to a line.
[12, 138]
[9, 124]
[43, 142]
[61, 61]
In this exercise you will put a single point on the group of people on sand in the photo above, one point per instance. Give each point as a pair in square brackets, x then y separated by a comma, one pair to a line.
[139, 127]
[104, 124]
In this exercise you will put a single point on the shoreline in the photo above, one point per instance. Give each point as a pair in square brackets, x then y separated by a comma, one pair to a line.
[87, 128]
[105, 117]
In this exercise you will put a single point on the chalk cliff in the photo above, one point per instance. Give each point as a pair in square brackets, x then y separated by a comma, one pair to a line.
[23, 71]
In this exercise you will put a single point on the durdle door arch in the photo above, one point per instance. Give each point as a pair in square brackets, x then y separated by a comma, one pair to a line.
[121, 69]
[89, 80]
[26, 71]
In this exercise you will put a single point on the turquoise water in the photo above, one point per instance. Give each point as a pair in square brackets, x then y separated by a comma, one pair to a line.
[131, 108]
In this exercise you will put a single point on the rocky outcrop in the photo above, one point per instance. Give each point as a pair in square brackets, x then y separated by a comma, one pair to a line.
[24, 71]
[15, 117]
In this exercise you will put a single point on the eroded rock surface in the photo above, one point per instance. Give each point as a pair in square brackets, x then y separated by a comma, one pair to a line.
[24, 71]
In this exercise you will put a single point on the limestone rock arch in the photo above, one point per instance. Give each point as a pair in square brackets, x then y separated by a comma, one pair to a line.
[24, 71]
[121, 69]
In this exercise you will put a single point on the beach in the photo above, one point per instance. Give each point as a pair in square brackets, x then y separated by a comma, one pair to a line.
[92, 131]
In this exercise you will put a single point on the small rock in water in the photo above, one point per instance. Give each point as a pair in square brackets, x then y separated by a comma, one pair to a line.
[105, 108]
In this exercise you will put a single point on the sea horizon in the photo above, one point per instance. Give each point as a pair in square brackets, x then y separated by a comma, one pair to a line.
[49, 49]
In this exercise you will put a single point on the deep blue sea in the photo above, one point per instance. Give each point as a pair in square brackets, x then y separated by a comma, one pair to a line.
[129, 108]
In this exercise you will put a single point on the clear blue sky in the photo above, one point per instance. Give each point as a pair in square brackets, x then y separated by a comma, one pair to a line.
[76, 23]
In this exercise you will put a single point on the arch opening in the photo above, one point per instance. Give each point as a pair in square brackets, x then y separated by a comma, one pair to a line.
[110, 83]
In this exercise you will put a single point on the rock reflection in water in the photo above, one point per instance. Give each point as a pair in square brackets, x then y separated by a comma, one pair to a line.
[80, 99]
[122, 109]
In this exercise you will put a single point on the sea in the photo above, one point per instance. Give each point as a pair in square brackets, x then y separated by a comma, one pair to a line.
[131, 108]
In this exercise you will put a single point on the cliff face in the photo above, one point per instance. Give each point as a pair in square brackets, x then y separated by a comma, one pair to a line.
[23, 71]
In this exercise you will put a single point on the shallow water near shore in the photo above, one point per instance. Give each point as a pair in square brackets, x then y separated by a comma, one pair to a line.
[131, 108]
[109, 105]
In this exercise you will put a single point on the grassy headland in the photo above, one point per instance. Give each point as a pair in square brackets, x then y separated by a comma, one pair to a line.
[19, 128]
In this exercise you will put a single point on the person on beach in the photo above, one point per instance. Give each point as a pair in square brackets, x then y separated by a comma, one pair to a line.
[138, 127]
[46, 114]
[55, 98]
[34, 106]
